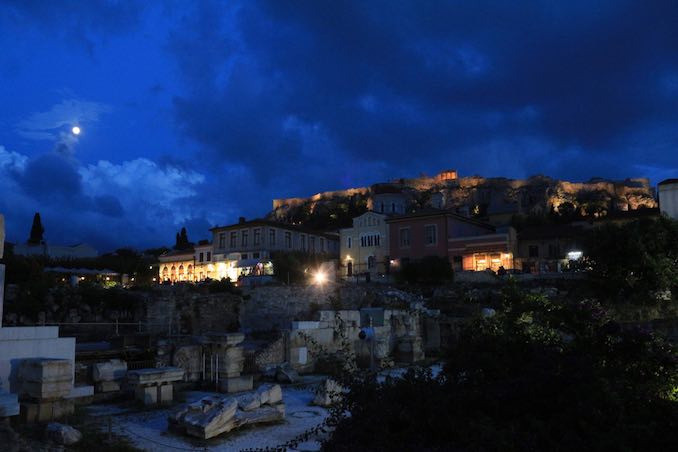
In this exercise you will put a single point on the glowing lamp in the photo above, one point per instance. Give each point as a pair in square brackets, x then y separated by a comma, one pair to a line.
[320, 277]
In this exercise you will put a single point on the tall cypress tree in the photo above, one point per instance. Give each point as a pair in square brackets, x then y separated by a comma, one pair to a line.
[37, 231]
[182, 242]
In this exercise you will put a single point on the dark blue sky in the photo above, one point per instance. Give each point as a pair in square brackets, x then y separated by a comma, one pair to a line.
[194, 113]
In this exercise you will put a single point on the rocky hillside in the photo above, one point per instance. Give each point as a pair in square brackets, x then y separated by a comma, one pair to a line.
[480, 197]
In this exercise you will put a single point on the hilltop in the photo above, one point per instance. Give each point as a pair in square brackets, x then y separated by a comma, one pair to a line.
[495, 199]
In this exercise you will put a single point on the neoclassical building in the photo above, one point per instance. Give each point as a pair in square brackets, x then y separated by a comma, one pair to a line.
[190, 265]
[364, 247]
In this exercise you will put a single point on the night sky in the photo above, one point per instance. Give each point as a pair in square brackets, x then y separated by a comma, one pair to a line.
[194, 113]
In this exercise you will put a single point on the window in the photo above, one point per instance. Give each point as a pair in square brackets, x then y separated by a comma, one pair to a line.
[430, 234]
[222, 240]
[243, 256]
[303, 242]
[554, 251]
[255, 255]
[209, 256]
[322, 245]
[404, 237]
[382, 207]
[393, 207]
[201, 257]
[533, 251]
[288, 240]
[348, 242]
[244, 238]
[370, 240]
[256, 237]
[311, 243]
[234, 239]
[370, 262]
[271, 236]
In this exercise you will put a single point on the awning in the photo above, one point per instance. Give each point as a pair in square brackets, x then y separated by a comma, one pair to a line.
[249, 262]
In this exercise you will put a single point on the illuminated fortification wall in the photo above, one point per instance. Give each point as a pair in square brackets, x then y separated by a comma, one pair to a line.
[536, 194]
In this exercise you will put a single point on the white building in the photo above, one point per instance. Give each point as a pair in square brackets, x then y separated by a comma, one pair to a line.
[78, 251]
[668, 197]
[364, 247]
[18, 343]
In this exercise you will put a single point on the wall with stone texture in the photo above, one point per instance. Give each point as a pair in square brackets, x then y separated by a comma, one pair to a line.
[309, 338]
[276, 307]
[193, 313]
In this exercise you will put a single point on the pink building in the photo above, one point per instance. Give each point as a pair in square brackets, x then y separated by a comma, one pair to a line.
[468, 244]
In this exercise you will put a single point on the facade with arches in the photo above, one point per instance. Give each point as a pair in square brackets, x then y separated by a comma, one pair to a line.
[191, 265]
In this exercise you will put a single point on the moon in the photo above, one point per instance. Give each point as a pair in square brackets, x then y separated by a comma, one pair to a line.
[75, 130]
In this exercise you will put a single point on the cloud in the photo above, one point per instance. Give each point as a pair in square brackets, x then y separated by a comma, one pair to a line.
[163, 195]
[46, 125]
[85, 24]
[136, 202]
[11, 161]
[49, 177]
[425, 85]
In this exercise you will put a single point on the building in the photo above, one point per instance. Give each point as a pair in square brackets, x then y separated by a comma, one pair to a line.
[668, 197]
[549, 248]
[388, 199]
[245, 248]
[190, 265]
[364, 247]
[20, 343]
[468, 244]
[78, 251]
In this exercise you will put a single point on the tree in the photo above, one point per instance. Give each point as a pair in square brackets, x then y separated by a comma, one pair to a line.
[37, 231]
[182, 242]
[633, 261]
[538, 376]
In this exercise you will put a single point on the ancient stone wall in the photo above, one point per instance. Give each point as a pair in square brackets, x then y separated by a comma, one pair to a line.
[186, 312]
[536, 194]
[276, 307]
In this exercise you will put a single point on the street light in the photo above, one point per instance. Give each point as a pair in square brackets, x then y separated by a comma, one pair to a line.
[320, 277]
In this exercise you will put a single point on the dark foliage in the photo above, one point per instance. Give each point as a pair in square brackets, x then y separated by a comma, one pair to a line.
[182, 242]
[431, 270]
[633, 261]
[294, 266]
[539, 376]
[37, 231]
[328, 214]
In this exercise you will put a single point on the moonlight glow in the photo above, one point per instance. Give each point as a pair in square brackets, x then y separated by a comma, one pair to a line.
[75, 130]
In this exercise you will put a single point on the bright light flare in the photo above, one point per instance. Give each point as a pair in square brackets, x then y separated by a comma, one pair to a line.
[320, 277]
[76, 130]
[574, 255]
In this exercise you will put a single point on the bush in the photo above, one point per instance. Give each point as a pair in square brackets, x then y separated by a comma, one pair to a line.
[431, 270]
[538, 376]
[633, 261]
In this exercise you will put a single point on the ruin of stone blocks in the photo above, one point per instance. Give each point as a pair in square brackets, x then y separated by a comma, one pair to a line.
[46, 370]
[155, 376]
[148, 395]
[189, 358]
[237, 384]
[46, 390]
[45, 379]
[226, 339]
[107, 386]
[165, 394]
[46, 411]
[410, 349]
[9, 404]
[114, 369]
